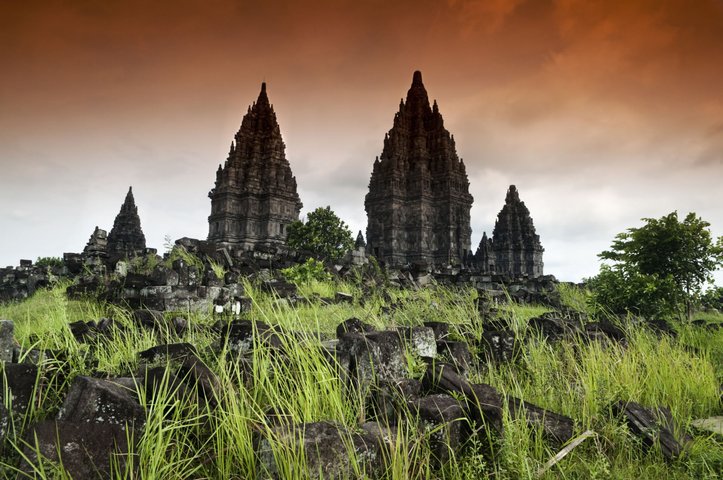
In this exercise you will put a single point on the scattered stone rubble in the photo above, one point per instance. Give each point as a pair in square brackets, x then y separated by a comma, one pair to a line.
[100, 418]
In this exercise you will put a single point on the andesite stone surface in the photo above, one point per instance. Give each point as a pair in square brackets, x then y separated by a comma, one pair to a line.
[126, 238]
[515, 247]
[254, 198]
[418, 205]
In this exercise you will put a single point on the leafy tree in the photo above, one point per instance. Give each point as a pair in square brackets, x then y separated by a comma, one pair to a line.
[324, 235]
[659, 267]
[49, 262]
[713, 298]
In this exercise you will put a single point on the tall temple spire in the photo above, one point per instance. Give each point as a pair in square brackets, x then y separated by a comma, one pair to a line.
[515, 244]
[254, 197]
[126, 238]
[418, 205]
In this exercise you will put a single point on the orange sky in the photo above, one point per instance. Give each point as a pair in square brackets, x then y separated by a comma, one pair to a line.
[602, 112]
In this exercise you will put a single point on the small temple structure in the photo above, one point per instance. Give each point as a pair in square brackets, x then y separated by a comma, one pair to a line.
[254, 198]
[418, 205]
[126, 238]
[515, 247]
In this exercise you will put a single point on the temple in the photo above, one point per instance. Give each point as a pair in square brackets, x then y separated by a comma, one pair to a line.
[254, 197]
[515, 248]
[126, 238]
[418, 205]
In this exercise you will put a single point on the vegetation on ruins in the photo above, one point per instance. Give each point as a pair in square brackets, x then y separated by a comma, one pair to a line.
[324, 235]
[49, 262]
[184, 438]
[312, 270]
[660, 268]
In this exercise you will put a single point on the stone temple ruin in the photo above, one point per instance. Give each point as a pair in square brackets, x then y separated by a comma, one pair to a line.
[514, 248]
[418, 210]
[418, 205]
[126, 238]
[254, 198]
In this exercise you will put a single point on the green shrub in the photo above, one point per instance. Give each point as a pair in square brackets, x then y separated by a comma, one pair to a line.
[306, 272]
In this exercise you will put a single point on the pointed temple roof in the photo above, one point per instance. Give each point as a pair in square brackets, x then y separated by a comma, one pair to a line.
[257, 159]
[255, 196]
[418, 140]
[514, 226]
[126, 237]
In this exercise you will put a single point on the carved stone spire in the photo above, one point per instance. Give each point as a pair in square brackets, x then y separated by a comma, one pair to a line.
[418, 205]
[254, 197]
[126, 238]
[516, 245]
[360, 243]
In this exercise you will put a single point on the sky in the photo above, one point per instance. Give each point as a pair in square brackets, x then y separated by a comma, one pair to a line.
[600, 112]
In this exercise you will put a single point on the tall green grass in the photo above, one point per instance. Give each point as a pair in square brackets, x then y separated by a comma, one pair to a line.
[185, 438]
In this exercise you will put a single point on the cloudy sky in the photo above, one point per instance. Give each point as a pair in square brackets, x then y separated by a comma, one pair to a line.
[601, 112]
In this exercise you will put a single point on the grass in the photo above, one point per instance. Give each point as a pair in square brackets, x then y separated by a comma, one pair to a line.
[185, 439]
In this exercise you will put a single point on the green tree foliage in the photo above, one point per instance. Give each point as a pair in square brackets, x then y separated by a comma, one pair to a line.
[324, 234]
[712, 298]
[49, 262]
[306, 272]
[659, 268]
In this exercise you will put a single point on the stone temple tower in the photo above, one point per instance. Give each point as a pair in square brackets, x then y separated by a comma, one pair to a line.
[254, 198]
[515, 248]
[126, 238]
[418, 205]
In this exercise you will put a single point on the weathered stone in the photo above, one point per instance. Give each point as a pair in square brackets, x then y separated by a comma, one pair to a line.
[21, 380]
[97, 246]
[196, 372]
[4, 421]
[711, 424]
[421, 340]
[163, 353]
[254, 198]
[445, 419]
[499, 346]
[457, 353]
[85, 449]
[388, 401]
[83, 331]
[374, 356]
[514, 248]
[149, 318]
[649, 425]
[353, 325]
[553, 328]
[126, 238]
[440, 329]
[418, 205]
[7, 340]
[485, 405]
[331, 451]
[161, 383]
[92, 400]
[241, 334]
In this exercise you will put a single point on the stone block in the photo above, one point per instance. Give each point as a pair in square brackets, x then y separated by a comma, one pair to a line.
[7, 340]
[444, 418]
[92, 400]
[331, 451]
[353, 325]
[85, 450]
[421, 340]
[456, 353]
[374, 356]
[21, 380]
